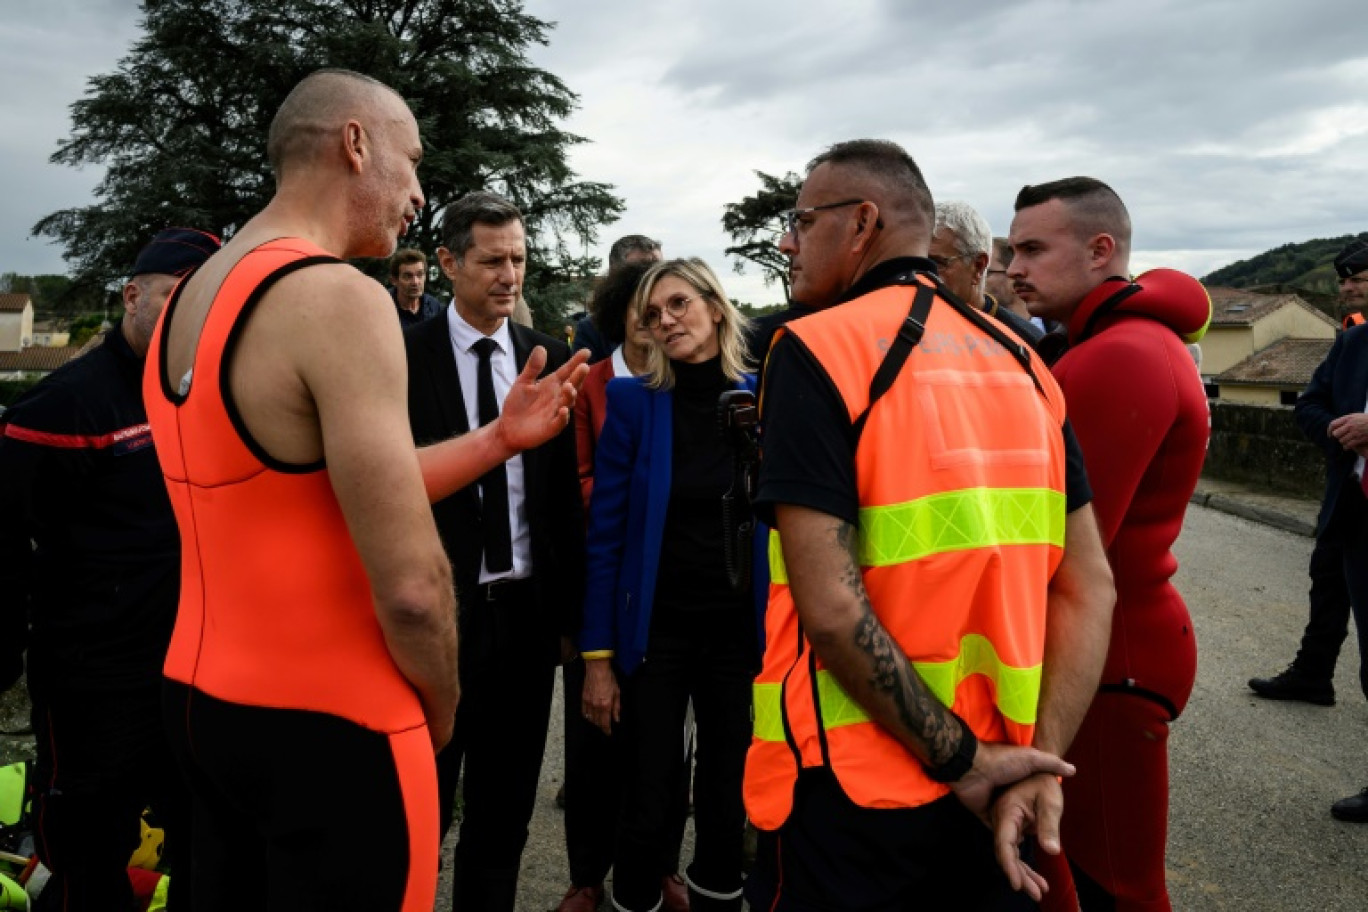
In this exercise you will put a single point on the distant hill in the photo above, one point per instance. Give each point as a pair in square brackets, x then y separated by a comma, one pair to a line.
[1306, 269]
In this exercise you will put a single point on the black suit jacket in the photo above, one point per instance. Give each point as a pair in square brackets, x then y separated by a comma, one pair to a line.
[1339, 387]
[554, 511]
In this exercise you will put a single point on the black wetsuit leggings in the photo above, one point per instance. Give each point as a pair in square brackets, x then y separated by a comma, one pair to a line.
[303, 809]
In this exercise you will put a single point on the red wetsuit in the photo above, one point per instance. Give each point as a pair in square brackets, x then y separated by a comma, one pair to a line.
[1138, 407]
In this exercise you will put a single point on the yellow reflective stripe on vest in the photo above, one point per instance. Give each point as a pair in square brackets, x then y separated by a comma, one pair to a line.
[1017, 689]
[769, 718]
[950, 521]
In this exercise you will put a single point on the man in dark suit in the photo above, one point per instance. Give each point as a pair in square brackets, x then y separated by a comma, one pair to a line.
[1310, 677]
[1331, 412]
[516, 543]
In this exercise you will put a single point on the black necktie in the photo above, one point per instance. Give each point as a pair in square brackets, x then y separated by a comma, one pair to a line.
[498, 539]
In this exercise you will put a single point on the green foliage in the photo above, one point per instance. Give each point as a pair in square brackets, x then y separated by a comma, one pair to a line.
[54, 295]
[753, 225]
[181, 123]
[563, 290]
[85, 326]
[11, 390]
[1305, 267]
[750, 310]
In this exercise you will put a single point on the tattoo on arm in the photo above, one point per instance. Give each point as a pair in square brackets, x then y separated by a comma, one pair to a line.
[890, 674]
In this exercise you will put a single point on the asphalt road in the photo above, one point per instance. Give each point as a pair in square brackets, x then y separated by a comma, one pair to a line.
[1252, 780]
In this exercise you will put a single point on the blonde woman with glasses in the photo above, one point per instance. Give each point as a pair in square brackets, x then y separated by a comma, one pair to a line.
[664, 622]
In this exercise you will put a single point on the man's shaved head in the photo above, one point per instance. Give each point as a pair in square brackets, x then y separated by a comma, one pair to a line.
[885, 174]
[1094, 208]
[321, 103]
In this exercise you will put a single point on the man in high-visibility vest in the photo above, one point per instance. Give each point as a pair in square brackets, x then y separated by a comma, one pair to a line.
[1137, 403]
[1309, 678]
[931, 644]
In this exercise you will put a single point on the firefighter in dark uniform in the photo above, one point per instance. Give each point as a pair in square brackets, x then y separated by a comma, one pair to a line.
[89, 580]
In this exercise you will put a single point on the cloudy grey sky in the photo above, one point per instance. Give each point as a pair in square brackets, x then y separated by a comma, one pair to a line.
[1227, 126]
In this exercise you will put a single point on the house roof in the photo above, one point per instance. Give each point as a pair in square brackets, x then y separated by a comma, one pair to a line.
[38, 359]
[1287, 362]
[13, 302]
[1241, 307]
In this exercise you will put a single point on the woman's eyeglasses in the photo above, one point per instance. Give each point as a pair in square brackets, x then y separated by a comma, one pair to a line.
[675, 306]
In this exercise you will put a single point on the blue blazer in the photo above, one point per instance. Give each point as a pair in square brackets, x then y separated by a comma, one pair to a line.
[1338, 387]
[627, 523]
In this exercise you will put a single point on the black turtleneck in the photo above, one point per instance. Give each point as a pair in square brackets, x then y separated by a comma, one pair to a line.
[692, 579]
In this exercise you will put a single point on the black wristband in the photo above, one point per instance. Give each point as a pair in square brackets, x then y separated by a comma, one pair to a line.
[961, 761]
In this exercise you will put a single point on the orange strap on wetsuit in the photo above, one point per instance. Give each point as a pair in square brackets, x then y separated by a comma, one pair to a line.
[961, 474]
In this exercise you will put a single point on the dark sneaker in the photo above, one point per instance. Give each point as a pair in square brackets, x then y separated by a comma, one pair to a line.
[1293, 685]
[1353, 809]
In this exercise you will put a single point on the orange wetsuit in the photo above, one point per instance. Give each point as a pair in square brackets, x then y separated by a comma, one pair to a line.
[296, 728]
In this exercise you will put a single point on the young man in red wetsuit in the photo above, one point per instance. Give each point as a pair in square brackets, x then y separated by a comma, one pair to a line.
[1137, 405]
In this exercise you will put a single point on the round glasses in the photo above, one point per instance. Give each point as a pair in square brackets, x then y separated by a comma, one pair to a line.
[675, 306]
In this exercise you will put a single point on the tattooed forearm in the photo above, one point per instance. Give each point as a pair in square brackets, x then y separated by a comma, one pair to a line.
[892, 676]
[889, 673]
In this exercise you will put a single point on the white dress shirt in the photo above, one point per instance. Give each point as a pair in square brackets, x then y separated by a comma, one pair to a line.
[620, 368]
[505, 369]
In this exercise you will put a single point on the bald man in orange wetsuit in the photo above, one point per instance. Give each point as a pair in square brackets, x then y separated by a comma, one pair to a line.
[312, 669]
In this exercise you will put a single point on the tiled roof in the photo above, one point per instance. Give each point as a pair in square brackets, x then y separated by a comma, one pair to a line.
[38, 358]
[1287, 362]
[1238, 307]
[13, 303]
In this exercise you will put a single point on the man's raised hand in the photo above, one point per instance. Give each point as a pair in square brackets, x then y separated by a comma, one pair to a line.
[537, 410]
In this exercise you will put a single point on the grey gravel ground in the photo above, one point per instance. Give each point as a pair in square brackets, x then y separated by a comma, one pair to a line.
[1252, 780]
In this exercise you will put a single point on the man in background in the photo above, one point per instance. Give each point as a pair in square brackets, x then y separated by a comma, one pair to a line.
[1331, 413]
[998, 286]
[95, 598]
[408, 275]
[630, 248]
[960, 249]
[515, 540]
[1310, 677]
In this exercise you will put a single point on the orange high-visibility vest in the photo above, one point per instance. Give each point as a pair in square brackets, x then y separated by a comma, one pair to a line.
[1354, 319]
[960, 470]
[275, 608]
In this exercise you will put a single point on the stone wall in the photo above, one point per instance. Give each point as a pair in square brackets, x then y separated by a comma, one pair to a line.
[1262, 445]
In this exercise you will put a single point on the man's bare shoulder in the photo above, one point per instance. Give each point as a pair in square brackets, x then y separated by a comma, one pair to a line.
[333, 290]
[329, 310]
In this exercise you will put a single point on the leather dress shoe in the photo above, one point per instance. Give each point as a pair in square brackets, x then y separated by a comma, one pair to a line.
[674, 895]
[1293, 685]
[581, 899]
[1353, 809]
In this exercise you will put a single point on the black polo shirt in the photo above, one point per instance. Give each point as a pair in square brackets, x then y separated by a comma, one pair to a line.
[809, 442]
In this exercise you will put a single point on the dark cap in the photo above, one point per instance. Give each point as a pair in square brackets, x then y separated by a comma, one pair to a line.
[1352, 260]
[175, 251]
